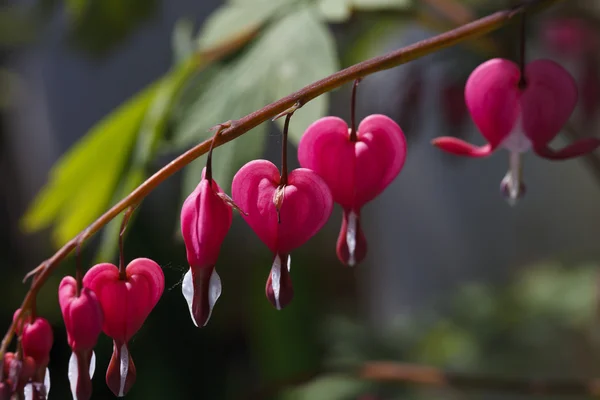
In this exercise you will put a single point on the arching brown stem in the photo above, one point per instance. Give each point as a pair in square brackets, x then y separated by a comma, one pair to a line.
[237, 128]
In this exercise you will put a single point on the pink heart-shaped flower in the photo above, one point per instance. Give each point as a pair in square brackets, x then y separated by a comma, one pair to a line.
[82, 314]
[356, 171]
[519, 118]
[126, 303]
[283, 217]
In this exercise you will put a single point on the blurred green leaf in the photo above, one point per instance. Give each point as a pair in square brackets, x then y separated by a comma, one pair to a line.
[286, 45]
[381, 4]
[182, 40]
[76, 7]
[17, 26]
[273, 67]
[447, 344]
[82, 182]
[236, 19]
[335, 10]
[553, 291]
[151, 132]
[331, 387]
[226, 98]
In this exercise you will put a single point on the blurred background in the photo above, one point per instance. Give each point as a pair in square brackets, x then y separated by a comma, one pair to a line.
[96, 95]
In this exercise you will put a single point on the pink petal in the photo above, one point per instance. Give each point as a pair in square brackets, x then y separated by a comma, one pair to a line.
[579, 148]
[380, 154]
[82, 315]
[492, 97]
[548, 100]
[356, 172]
[461, 148]
[126, 304]
[307, 205]
[326, 148]
[253, 188]
[37, 341]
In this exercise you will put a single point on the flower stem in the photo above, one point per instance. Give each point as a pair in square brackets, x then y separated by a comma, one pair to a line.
[353, 137]
[522, 51]
[284, 141]
[126, 217]
[218, 130]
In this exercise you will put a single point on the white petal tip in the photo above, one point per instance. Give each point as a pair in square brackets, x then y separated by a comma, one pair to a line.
[124, 369]
[276, 280]
[187, 288]
[214, 292]
[351, 237]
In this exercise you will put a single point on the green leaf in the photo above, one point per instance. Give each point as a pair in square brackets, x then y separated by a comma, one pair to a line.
[288, 44]
[335, 10]
[236, 20]
[110, 234]
[332, 387]
[274, 66]
[82, 182]
[151, 132]
[213, 108]
[182, 40]
[76, 7]
[381, 4]
[17, 27]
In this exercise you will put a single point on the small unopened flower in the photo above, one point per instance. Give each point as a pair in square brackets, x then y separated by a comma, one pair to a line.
[205, 220]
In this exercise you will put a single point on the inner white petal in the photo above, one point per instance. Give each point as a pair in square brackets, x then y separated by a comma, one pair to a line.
[44, 390]
[28, 391]
[276, 280]
[517, 141]
[351, 237]
[47, 381]
[124, 369]
[289, 263]
[214, 291]
[73, 374]
[92, 365]
[187, 288]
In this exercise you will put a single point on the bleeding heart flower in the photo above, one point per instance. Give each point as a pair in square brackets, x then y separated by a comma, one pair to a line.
[83, 318]
[517, 118]
[17, 372]
[205, 219]
[36, 342]
[126, 300]
[356, 171]
[283, 216]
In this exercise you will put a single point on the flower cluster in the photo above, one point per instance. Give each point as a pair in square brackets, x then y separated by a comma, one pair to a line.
[109, 300]
[517, 108]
